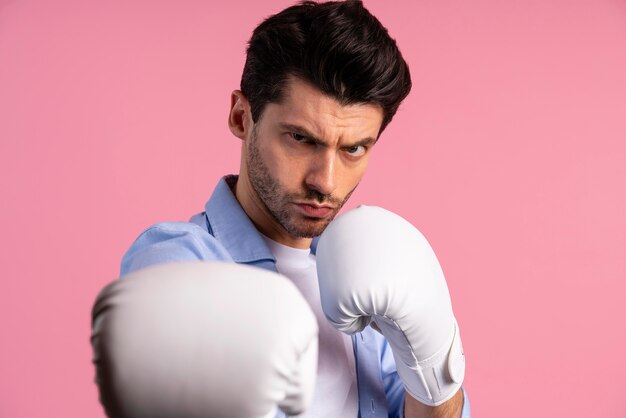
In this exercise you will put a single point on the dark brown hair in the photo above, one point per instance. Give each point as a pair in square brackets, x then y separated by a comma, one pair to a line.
[339, 47]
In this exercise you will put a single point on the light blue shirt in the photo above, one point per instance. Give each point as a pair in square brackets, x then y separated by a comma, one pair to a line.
[223, 232]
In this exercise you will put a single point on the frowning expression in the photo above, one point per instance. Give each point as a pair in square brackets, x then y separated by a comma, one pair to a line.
[306, 155]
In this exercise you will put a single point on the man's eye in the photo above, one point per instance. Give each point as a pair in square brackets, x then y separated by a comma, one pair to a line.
[356, 151]
[298, 137]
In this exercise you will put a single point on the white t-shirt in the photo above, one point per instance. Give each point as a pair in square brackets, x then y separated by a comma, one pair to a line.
[335, 388]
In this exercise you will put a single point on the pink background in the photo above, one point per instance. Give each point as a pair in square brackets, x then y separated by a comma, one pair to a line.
[509, 155]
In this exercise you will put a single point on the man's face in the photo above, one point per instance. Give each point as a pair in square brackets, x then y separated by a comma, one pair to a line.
[306, 155]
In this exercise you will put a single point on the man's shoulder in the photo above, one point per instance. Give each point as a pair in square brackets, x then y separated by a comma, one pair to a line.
[164, 232]
[167, 242]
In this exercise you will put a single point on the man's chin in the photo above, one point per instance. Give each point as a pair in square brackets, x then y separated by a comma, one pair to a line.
[309, 228]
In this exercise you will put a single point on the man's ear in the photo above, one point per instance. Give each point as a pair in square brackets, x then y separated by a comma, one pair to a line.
[240, 116]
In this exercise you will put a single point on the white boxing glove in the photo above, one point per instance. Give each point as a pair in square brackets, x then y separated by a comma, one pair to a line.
[374, 265]
[203, 339]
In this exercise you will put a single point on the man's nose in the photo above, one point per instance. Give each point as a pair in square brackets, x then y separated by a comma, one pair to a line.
[322, 172]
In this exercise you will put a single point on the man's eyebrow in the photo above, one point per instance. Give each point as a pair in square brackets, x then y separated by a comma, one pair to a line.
[310, 136]
[364, 142]
[301, 131]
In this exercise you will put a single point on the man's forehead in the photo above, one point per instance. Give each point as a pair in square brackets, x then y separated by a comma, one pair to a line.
[305, 105]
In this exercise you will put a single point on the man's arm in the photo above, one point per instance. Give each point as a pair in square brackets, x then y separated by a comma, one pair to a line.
[449, 409]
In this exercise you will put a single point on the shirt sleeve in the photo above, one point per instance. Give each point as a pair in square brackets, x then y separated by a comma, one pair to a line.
[170, 242]
[394, 388]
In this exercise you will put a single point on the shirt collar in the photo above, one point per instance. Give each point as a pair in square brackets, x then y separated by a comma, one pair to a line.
[232, 227]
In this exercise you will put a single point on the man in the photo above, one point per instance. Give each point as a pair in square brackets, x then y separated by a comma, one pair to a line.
[320, 84]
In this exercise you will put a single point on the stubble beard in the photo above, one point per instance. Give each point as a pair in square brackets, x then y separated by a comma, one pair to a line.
[278, 201]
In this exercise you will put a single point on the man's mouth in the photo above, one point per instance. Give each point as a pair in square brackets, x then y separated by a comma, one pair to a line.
[314, 210]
